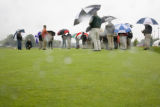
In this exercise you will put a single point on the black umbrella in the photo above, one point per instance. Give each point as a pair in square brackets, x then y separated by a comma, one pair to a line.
[20, 30]
[51, 33]
[107, 18]
[87, 11]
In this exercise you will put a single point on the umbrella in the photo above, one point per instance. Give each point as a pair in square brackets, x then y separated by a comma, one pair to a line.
[39, 33]
[20, 30]
[63, 31]
[107, 18]
[36, 36]
[79, 17]
[78, 35]
[87, 11]
[92, 9]
[129, 25]
[74, 35]
[51, 33]
[147, 20]
[122, 28]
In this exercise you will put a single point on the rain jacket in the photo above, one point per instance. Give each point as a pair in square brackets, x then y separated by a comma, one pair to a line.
[109, 29]
[95, 22]
[147, 30]
[19, 36]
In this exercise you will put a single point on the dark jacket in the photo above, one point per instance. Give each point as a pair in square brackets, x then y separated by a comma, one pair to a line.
[147, 30]
[109, 29]
[95, 22]
[40, 38]
[84, 37]
[28, 44]
[69, 35]
[19, 36]
[130, 35]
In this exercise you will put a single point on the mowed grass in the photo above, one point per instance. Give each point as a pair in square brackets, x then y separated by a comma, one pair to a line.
[79, 78]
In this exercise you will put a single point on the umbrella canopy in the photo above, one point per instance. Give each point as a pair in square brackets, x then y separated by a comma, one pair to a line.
[37, 36]
[129, 25]
[87, 11]
[52, 33]
[79, 17]
[92, 9]
[63, 31]
[108, 18]
[147, 20]
[78, 35]
[39, 33]
[20, 30]
[74, 35]
[37, 41]
[122, 28]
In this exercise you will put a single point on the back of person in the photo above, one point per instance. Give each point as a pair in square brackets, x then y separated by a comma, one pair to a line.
[110, 29]
[130, 35]
[148, 29]
[40, 38]
[69, 35]
[28, 44]
[19, 36]
[83, 37]
[95, 22]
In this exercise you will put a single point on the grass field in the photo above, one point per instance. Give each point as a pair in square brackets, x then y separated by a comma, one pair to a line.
[79, 78]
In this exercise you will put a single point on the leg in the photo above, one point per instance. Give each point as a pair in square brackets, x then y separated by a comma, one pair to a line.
[109, 41]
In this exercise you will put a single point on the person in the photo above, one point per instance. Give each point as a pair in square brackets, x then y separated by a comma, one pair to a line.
[44, 36]
[123, 40]
[68, 37]
[77, 42]
[84, 40]
[129, 38]
[109, 28]
[51, 39]
[28, 44]
[64, 41]
[147, 33]
[19, 41]
[95, 25]
[104, 42]
[115, 38]
[40, 40]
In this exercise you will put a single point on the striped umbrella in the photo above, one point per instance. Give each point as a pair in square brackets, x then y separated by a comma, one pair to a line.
[122, 28]
[87, 11]
[147, 20]
[78, 35]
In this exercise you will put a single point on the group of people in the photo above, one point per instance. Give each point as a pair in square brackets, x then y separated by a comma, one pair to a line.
[109, 40]
[28, 43]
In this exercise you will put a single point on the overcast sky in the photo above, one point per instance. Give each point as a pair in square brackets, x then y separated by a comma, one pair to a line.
[57, 14]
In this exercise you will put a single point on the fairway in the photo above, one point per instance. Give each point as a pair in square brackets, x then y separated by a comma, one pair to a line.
[79, 78]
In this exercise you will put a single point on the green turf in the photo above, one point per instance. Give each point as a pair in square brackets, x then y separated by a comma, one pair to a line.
[80, 78]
